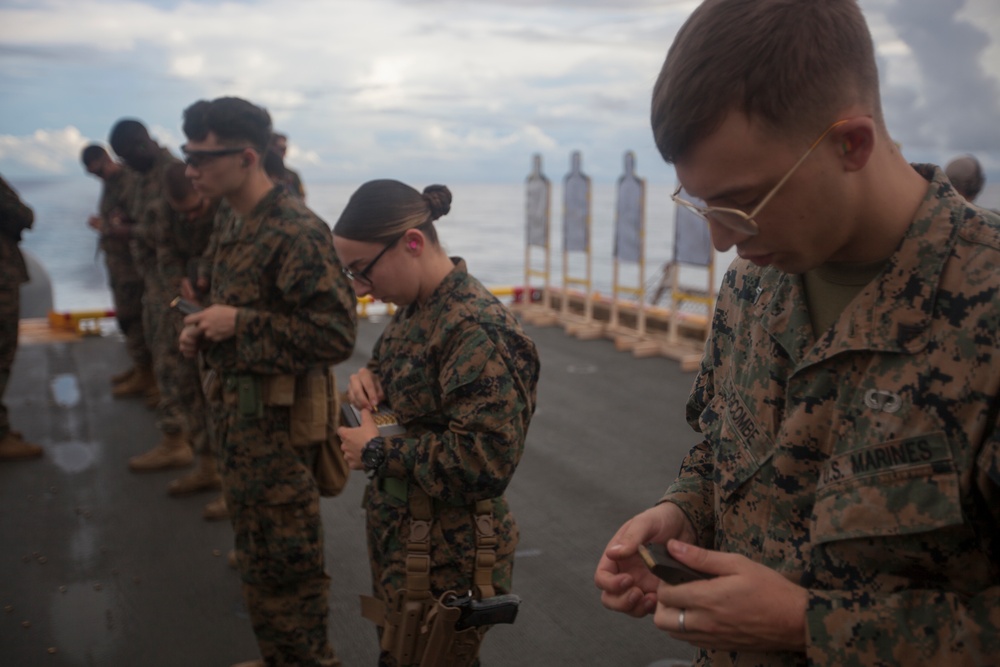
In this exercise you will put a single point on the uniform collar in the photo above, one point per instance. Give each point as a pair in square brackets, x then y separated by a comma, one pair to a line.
[439, 298]
[892, 313]
[242, 228]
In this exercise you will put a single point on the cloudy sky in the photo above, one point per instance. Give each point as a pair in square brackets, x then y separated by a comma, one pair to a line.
[435, 90]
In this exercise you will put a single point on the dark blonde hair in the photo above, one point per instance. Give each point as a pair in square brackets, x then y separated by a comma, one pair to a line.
[379, 211]
[790, 64]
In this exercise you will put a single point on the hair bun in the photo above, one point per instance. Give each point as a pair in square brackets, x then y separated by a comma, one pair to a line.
[438, 198]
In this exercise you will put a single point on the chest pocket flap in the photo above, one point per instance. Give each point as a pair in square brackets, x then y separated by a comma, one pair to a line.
[899, 487]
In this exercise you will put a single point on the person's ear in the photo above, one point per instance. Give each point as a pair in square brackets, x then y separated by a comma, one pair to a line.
[857, 141]
[414, 241]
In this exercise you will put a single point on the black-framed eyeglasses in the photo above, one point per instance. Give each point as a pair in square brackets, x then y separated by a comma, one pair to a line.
[198, 159]
[362, 275]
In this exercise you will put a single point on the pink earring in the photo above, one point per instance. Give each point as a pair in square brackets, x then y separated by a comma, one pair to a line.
[413, 245]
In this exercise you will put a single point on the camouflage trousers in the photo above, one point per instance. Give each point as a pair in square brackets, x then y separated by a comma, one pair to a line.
[10, 301]
[127, 288]
[452, 545]
[274, 508]
[182, 407]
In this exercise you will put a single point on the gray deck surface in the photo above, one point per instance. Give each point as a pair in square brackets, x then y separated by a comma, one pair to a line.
[102, 566]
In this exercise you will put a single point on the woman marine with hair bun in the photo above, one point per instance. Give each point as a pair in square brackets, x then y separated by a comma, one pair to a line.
[460, 374]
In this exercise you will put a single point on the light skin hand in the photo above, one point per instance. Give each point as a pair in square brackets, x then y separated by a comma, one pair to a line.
[189, 340]
[625, 582]
[364, 391]
[353, 440]
[746, 607]
[216, 323]
[187, 291]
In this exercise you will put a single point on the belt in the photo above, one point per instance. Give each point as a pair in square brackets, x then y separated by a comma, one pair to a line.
[400, 490]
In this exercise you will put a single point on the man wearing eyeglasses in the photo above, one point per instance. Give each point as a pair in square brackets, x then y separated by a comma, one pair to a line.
[280, 306]
[844, 503]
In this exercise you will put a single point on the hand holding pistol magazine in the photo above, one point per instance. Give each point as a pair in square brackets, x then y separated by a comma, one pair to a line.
[185, 306]
[664, 566]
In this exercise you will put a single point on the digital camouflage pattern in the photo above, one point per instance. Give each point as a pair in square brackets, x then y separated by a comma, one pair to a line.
[461, 375]
[151, 217]
[123, 278]
[863, 464]
[296, 312]
[14, 217]
[180, 244]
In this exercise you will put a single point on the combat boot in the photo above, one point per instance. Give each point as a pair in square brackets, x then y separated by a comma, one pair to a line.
[153, 397]
[171, 452]
[216, 510]
[118, 378]
[136, 384]
[204, 478]
[14, 448]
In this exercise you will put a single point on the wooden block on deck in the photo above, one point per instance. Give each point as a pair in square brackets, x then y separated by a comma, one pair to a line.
[34, 331]
[581, 327]
[539, 316]
[687, 353]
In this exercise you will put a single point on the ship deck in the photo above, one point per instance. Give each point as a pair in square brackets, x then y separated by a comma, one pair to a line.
[98, 566]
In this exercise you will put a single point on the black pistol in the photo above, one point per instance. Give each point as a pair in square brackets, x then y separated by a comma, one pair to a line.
[491, 611]
[185, 306]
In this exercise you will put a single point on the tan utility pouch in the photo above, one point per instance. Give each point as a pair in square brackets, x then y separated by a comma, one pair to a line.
[310, 409]
[330, 469]
[279, 390]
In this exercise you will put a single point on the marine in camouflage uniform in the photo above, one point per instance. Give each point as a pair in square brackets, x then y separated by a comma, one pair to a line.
[865, 464]
[123, 278]
[296, 313]
[845, 495]
[153, 222]
[183, 241]
[15, 217]
[461, 375]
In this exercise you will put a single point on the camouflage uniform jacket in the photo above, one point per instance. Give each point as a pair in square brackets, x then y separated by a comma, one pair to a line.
[461, 374]
[150, 214]
[278, 267]
[181, 246]
[864, 464]
[116, 194]
[15, 215]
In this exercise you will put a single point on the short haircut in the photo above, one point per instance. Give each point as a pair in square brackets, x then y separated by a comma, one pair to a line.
[274, 166]
[92, 154]
[232, 119]
[125, 133]
[176, 182]
[381, 210]
[966, 175]
[789, 64]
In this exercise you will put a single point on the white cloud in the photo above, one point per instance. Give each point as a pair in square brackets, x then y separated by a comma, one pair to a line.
[49, 151]
[363, 83]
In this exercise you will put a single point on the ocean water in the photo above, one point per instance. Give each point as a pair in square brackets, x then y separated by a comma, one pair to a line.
[486, 226]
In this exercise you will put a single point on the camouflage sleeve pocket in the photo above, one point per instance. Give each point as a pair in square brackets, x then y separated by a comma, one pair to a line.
[474, 351]
[741, 446]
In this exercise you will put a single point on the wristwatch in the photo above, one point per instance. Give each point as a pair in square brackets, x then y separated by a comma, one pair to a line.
[373, 455]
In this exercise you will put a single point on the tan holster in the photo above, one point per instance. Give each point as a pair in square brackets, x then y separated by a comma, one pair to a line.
[306, 395]
[417, 629]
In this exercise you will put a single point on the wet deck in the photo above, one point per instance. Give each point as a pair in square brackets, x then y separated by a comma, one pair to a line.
[98, 566]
